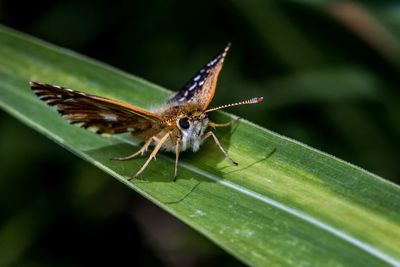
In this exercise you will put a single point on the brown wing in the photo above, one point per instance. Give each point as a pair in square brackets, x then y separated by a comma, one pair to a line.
[102, 115]
[201, 88]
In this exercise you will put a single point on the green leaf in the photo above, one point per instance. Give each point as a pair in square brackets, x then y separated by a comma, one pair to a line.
[285, 204]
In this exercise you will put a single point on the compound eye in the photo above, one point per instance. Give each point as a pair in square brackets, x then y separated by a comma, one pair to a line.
[184, 123]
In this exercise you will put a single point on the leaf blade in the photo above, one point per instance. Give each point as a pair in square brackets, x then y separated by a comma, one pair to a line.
[283, 205]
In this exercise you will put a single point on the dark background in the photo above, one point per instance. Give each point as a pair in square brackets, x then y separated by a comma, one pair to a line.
[329, 74]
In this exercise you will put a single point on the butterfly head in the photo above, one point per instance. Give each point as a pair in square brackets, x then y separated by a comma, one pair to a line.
[192, 126]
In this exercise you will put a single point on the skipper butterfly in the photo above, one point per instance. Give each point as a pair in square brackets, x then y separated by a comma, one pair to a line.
[180, 124]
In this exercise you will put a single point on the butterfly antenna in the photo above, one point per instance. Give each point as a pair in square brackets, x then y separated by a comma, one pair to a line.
[253, 100]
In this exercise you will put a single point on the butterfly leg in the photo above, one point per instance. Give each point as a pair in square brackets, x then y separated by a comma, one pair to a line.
[177, 150]
[210, 133]
[152, 155]
[140, 152]
[213, 124]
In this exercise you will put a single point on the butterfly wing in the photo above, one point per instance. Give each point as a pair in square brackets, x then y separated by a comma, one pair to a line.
[102, 115]
[201, 88]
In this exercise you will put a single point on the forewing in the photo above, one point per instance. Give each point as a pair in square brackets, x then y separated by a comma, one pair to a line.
[102, 115]
[201, 88]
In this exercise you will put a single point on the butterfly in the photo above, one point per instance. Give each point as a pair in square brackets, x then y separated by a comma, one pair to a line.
[178, 125]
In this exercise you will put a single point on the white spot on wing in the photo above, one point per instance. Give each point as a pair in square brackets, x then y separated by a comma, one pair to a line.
[39, 91]
[93, 128]
[109, 117]
[50, 101]
[211, 63]
[192, 87]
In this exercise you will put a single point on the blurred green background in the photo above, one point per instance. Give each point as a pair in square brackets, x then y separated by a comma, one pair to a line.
[328, 70]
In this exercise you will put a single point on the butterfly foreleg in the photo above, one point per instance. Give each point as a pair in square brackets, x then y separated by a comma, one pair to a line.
[152, 155]
[140, 152]
[210, 133]
[213, 124]
[177, 151]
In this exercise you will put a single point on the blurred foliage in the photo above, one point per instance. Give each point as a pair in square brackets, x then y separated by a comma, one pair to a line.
[329, 71]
